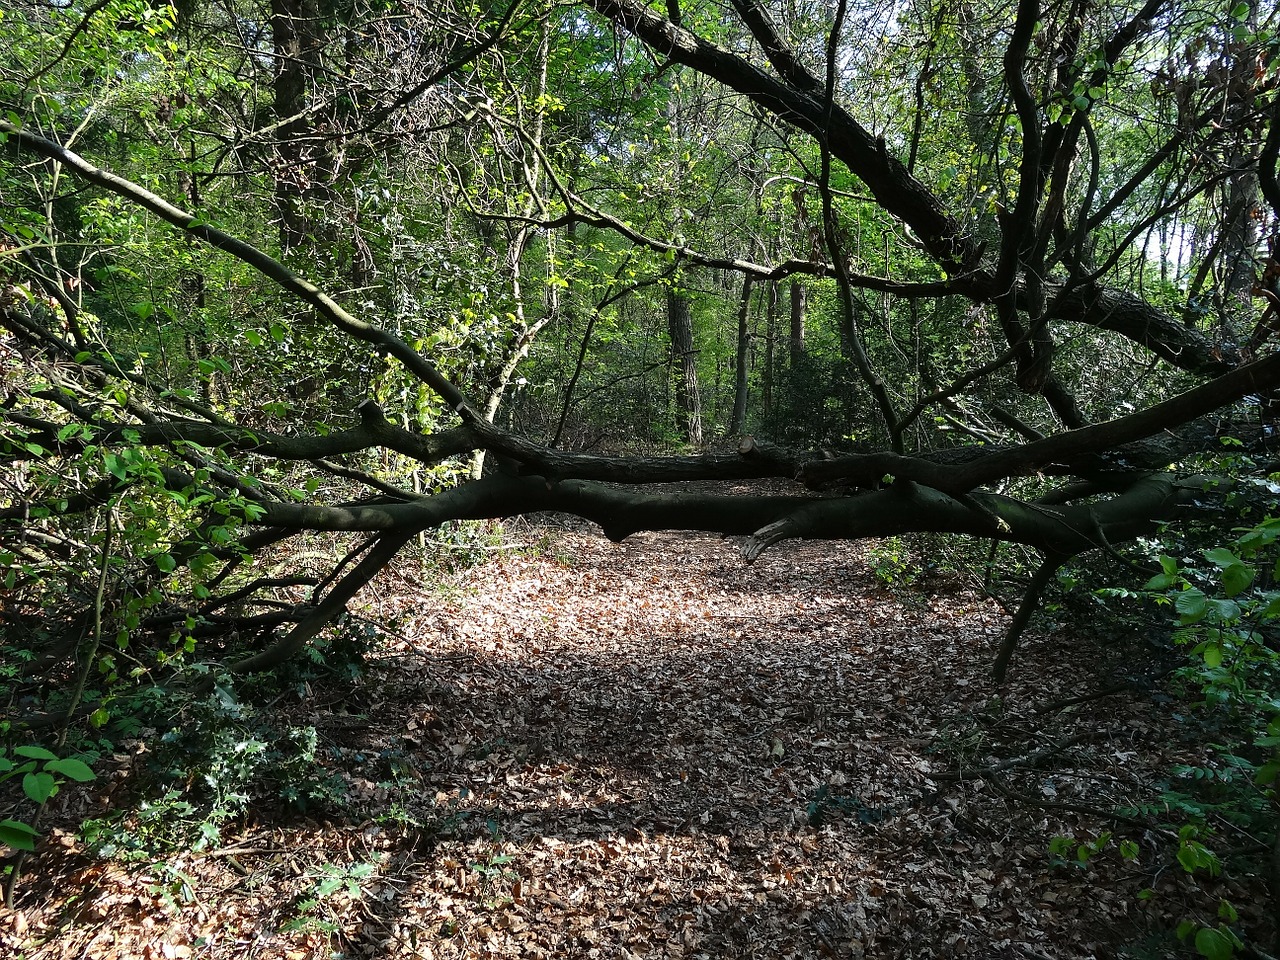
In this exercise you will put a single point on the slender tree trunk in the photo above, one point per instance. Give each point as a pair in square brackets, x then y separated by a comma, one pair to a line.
[797, 322]
[770, 318]
[738, 419]
[685, 361]
[192, 284]
[293, 26]
[518, 243]
[1242, 199]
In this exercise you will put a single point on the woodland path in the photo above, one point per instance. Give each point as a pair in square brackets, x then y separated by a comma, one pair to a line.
[653, 750]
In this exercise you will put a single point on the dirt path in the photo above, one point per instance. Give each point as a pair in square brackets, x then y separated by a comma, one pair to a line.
[652, 750]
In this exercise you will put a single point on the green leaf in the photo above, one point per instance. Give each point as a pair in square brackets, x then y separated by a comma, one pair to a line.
[1272, 610]
[1187, 857]
[17, 835]
[72, 769]
[1236, 579]
[1214, 944]
[1221, 558]
[39, 787]
[1190, 605]
[116, 466]
[166, 563]
[35, 753]
[1224, 611]
[1213, 655]
[1268, 773]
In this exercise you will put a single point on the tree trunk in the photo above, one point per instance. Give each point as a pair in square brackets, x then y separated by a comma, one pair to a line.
[846, 334]
[770, 316]
[685, 359]
[739, 418]
[293, 26]
[797, 322]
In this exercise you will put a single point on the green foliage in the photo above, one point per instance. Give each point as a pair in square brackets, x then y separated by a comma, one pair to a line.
[43, 774]
[314, 910]
[1227, 607]
[894, 561]
[493, 870]
[1067, 851]
[227, 758]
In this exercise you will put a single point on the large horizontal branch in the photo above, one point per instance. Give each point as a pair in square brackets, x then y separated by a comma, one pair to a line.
[1060, 451]
[374, 431]
[1138, 321]
[619, 511]
[903, 508]
[1061, 531]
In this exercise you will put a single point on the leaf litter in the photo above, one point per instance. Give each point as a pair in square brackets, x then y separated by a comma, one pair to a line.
[653, 750]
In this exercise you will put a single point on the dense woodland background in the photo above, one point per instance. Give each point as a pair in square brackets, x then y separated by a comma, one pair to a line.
[300, 294]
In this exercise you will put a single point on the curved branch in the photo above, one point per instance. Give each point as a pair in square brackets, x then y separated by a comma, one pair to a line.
[1139, 322]
[1067, 450]
[893, 187]
[268, 266]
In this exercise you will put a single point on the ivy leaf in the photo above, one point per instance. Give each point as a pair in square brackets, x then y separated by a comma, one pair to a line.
[1224, 611]
[116, 465]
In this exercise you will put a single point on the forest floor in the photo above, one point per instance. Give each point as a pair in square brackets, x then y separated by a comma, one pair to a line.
[582, 749]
